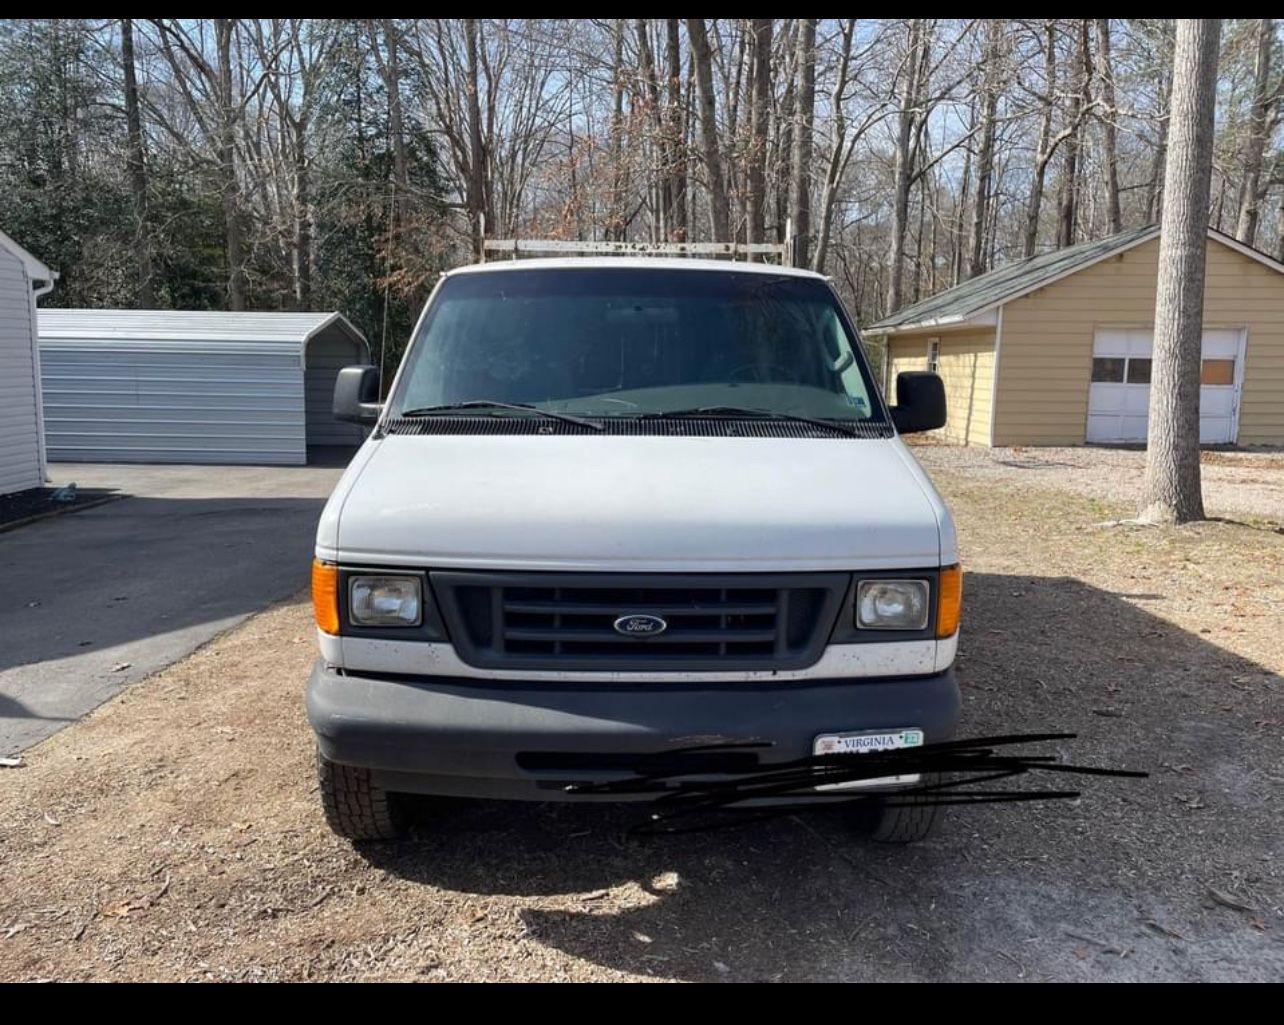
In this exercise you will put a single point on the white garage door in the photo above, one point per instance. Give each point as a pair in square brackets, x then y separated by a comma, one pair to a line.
[1119, 395]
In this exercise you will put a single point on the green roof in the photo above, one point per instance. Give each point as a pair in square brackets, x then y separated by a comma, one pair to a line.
[993, 289]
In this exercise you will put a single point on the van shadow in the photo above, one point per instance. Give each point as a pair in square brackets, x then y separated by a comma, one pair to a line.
[805, 897]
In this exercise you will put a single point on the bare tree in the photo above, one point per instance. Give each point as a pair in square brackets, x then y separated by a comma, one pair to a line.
[759, 117]
[991, 62]
[1081, 102]
[1171, 491]
[137, 168]
[1047, 145]
[841, 144]
[1109, 144]
[801, 158]
[1264, 99]
[1155, 192]
[907, 120]
[675, 134]
[208, 88]
[715, 182]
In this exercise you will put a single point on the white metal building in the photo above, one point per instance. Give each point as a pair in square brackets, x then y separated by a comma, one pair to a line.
[164, 386]
[22, 449]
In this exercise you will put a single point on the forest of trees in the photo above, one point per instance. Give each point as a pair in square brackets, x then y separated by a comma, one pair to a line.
[297, 163]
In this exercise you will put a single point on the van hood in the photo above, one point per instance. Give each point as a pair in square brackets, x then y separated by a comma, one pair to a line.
[654, 504]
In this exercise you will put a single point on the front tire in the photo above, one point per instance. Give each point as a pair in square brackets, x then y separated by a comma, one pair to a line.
[355, 806]
[908, 817]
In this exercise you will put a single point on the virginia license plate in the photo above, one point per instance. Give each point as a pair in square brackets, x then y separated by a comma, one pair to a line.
[865, 743]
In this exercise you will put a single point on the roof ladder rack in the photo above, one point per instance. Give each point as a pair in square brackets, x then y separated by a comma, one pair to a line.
[515, 248]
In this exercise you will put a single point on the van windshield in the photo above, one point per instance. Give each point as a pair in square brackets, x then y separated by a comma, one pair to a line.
[623, 342]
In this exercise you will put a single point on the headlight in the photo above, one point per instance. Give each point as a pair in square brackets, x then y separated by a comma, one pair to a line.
[892, 605]
[385, 601]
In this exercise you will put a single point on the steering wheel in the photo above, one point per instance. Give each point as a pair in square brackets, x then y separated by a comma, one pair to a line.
[760, 376]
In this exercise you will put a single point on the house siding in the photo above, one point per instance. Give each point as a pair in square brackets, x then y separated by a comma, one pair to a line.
[21, 466]
[1045, 366]
[967, 370]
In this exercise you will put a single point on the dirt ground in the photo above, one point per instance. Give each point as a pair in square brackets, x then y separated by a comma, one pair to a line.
[175, 833]
[1243, 483]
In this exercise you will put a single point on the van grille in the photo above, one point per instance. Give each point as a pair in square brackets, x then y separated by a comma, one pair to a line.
[567, 621]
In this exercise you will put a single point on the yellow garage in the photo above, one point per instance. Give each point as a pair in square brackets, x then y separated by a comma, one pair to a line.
[1056, 350]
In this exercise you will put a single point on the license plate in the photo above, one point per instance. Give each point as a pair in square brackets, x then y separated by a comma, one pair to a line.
[864, 743]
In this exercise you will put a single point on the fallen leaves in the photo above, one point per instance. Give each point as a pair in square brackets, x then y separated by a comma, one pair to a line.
[1226, 900]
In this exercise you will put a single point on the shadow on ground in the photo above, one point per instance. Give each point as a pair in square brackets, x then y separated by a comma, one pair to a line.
[1114, 885]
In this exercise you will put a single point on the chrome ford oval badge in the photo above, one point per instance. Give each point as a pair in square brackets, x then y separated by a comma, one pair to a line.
[640, 626]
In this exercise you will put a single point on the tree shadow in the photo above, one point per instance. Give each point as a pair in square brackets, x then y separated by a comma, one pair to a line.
[999, 892]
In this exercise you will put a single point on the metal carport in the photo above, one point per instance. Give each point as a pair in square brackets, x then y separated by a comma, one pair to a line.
[165, 386]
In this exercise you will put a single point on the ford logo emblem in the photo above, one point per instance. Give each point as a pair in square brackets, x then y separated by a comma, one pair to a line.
[640, 626]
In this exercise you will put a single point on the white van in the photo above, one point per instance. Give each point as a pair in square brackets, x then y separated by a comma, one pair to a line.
[618, 507]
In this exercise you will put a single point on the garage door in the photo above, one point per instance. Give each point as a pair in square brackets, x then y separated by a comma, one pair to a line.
[1119, 395]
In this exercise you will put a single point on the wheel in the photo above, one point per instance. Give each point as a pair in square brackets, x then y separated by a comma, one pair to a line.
[356, 807]
[908, 817]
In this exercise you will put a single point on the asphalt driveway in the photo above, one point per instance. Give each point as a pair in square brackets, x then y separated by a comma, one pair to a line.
[91, 602]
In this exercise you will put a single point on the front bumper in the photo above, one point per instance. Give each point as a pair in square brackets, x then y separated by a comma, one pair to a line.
[528, 741]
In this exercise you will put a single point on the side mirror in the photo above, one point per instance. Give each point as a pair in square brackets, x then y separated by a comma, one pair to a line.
[920, 402]
[356, 395]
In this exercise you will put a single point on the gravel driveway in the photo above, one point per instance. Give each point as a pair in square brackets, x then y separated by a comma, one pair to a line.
[1241, 483]
[175, 834]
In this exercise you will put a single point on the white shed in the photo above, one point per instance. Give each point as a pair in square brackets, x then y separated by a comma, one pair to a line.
[22, 448]
[165, 386]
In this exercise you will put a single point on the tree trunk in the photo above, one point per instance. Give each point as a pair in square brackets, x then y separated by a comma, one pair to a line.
[1034, 205]
[800, 159]
[659, 176]
[957, 264]
[903, 172]
[302, 218]
[392, 81]
[1251, 192]
[838, 146]
[676, 136]
[719, 213]
[475, 196]
[223, 30]
[1171, 490]
[1110, 154]
[137, 169]
[615, 226]
[761, 112]
[1155, 194]
[985, 156]
[1068, 214]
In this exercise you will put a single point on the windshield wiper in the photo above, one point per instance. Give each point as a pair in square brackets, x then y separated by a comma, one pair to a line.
[455, 407]
[752, 414]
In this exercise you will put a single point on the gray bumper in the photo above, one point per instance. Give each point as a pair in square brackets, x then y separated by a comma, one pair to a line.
[527, 740]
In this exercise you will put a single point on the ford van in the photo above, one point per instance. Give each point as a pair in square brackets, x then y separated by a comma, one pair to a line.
[618, 510]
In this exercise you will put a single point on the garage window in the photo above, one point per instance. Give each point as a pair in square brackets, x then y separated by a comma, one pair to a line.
[1217, 371]
[1107, 370]
[1138, 371]
[934, 355]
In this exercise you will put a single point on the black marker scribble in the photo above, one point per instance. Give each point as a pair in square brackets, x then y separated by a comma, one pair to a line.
[783, 788]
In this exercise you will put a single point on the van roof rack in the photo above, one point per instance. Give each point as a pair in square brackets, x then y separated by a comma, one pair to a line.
[515, 248]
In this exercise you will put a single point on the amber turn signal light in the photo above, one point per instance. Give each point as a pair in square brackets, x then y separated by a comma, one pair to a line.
[950, 602]
[325, 596]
